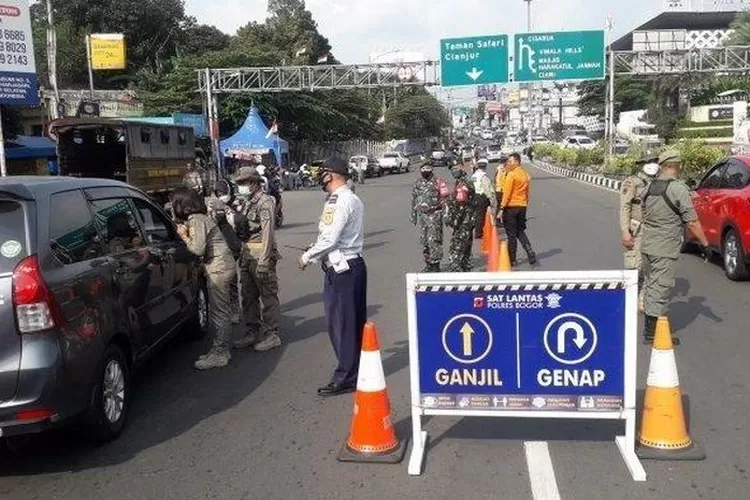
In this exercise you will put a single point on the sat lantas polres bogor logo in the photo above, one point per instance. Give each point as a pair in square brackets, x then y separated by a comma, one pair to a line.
[518, 301]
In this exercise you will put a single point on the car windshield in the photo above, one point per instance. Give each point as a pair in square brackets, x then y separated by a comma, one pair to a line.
[494, 147]
[390, 155]
[585, 140]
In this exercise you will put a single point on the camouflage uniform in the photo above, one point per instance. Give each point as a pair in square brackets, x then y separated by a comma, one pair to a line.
[258, 266]
[427, 213]
[461, 217]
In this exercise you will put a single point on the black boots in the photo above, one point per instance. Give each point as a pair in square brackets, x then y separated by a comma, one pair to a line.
[649, 329]
[530, 252]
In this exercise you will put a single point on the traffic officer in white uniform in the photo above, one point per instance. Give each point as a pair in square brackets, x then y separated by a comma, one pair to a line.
[339, 250]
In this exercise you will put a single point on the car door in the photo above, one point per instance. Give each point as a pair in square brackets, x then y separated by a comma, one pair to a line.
[137, 276]
[730, 205]
[178, 267]
[77, 271]
[705, 204]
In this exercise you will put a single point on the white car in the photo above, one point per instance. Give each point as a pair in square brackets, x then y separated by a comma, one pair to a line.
[579, 142]
[487, 135]
[394, 162]
[495, 152]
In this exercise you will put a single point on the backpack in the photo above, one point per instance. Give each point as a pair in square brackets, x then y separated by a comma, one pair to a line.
[659, 188]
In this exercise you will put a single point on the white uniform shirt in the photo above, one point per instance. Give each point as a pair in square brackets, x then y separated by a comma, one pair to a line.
[341, 227]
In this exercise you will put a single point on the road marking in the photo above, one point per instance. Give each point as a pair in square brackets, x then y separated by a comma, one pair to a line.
[541, 472]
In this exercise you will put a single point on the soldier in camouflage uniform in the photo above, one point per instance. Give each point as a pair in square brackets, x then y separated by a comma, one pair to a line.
[259, 268]
[631, 216]
[427, 204]
[461, 218]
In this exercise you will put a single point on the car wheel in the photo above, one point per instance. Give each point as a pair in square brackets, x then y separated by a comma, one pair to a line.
[197, 327]
[110, 401]
[733, 257]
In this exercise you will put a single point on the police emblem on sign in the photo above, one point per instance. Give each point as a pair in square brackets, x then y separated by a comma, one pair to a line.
[553, 300]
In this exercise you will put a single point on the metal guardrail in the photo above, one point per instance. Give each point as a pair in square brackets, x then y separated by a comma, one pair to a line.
[298, 78]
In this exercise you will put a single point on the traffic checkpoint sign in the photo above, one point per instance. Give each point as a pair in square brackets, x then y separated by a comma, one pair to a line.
[564, 55]
[476, 60]
[524, 345]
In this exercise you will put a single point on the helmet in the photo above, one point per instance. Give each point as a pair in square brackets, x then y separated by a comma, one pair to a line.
[246, 174]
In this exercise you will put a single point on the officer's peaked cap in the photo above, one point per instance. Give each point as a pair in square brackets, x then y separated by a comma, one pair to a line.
[669, 156]
[336, 165]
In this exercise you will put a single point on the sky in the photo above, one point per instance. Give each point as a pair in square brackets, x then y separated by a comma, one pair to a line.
[355, 28]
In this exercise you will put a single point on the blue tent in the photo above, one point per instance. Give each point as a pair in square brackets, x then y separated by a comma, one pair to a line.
[28, 146]
[253, 139]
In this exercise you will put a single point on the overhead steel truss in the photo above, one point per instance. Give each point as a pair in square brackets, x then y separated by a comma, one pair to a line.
[325, 77]
[427, 73]
[672, 62]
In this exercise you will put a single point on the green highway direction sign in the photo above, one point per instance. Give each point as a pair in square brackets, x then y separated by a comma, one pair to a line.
[474, 60]
[567, 55]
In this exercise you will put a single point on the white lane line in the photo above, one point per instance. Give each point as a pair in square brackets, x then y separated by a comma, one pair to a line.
[541, 472]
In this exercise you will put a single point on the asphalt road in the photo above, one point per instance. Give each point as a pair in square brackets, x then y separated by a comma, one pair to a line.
[257, 430]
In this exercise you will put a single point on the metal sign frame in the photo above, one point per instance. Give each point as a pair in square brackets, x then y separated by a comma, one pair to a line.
[626, 279]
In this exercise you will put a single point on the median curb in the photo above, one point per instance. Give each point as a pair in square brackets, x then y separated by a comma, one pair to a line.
[591, 179]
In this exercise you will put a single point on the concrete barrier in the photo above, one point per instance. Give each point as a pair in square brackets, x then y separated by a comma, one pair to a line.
[592, 179]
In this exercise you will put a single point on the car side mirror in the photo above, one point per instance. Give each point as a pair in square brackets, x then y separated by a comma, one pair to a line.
[691, 184]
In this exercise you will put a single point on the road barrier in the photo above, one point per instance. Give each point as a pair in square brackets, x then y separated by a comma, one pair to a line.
[594, 180]
[663, 434]
[524, 345]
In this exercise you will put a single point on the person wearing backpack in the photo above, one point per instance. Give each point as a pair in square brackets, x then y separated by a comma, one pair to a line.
[667, 210]
[428, 199]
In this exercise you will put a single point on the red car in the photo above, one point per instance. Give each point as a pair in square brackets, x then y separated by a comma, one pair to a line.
[722, 200]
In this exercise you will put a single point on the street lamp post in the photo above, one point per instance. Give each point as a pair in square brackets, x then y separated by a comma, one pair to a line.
[529, 88]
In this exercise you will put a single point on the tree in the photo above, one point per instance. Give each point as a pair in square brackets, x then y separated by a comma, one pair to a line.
[630, 94]
[741, 27]
[198, 39]
[416, 116]
[12, 123]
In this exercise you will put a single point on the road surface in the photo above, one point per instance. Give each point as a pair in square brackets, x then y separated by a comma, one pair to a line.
[257, 429]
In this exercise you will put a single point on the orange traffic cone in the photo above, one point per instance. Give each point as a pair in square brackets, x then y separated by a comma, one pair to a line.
[663, 434]
[487, 234]
[493, 257]
[504, 260]
[372, 437]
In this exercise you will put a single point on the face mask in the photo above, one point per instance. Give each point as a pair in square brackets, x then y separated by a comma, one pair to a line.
[325, 179]
[244, 190]
[427, 175]
[225, 198]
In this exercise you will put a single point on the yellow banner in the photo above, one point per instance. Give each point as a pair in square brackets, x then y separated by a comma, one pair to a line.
[107, 51]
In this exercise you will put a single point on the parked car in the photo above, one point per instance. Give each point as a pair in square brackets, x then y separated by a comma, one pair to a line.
[722, 201]
[467, 153]
[93, 279]
[487, 135]
[394, 162]
[372, 168]
[494, 152]
[579, 142]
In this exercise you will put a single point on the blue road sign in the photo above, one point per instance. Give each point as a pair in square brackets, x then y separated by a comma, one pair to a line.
[535, 349]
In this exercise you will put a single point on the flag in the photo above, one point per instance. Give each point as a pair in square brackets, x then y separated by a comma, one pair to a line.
[273, 130]
[301, 51]
[324, 58]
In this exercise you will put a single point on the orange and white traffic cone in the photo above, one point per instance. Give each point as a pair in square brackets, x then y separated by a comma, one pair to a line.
[372, 437]
[493, 257]
[487, 234]
[663, 434]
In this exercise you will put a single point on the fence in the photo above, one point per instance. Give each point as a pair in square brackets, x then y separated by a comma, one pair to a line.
[305, 152]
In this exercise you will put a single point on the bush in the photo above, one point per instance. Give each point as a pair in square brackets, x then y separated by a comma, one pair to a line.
[697, 157]
[705, 133]
[713, 123]
[621, 165]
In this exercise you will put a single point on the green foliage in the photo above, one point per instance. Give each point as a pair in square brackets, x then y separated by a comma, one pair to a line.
[687, 124]
[697, 157]
[630, 94]
[415, 117]
[697, 133]
[621, 165]
[741, 30]
[570, 157]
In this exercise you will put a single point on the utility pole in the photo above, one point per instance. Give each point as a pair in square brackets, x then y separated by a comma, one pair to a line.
[530, 87]
[52, 61]
[611, 92]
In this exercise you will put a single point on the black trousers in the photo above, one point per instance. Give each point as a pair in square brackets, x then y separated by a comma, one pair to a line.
[514, 221]
[482, 204]
[345, 303]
